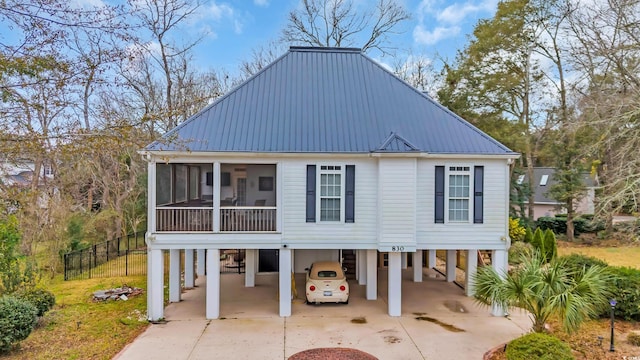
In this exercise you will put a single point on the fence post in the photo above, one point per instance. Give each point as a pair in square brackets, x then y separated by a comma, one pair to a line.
[126, 262]
[107, 249]
[81, 262]
[65, 267]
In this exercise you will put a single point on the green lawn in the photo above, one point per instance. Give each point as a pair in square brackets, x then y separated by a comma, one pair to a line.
[615, 256]
[78, 328]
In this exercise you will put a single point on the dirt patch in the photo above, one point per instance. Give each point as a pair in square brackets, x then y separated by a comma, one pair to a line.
[359, 320]
[455, 306]
[445, 326]
[390, 339]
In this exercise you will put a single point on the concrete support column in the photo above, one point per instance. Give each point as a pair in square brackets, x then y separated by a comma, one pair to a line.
[499, 263]
[395, 284]
[417, 266]
[451, 265]
[250, 268]
[403, 260]
[470, 270]
[213, 284]
[372, 274]
[361, 258]
[174, 275]
[189, 278]
[155, 285]
[431, 259]
[284, 277]
[200, 268]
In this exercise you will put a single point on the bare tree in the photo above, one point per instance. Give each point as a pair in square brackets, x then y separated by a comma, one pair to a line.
[342, 23]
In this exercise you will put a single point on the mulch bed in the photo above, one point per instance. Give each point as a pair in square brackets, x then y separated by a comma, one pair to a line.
[332, 354]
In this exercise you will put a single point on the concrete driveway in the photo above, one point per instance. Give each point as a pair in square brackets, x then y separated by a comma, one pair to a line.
[437, 322]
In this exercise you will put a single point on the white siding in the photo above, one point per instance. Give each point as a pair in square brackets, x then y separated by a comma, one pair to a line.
[488, 235]
[397, 202]
[329, 235]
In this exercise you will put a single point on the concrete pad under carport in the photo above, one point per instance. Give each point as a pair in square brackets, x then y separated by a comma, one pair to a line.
[250, 327]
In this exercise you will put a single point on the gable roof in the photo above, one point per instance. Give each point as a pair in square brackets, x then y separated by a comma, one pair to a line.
[335, 100]
[543, 180]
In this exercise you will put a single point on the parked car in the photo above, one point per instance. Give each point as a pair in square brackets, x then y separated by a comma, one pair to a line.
[326, 283]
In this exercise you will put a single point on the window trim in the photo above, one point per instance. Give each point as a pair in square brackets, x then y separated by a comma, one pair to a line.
[322, 170]
[460, 169]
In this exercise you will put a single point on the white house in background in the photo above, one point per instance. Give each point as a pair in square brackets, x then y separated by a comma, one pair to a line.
[323, 153]
[545, 205]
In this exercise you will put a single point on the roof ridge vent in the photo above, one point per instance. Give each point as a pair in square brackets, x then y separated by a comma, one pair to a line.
[396, 143]
[324, 49]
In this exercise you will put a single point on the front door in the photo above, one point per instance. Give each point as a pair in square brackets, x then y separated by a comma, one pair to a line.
[268, 260]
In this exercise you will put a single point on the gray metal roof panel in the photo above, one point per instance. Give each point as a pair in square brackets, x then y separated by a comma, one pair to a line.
[326, 100]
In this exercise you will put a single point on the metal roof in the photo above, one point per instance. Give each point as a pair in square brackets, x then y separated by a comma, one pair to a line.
[335, 100]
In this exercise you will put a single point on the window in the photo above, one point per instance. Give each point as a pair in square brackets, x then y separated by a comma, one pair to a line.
[330, 193]
[459, 190]
[543, 180]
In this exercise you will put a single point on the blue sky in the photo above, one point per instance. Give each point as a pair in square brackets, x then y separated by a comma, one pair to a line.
[233, 28]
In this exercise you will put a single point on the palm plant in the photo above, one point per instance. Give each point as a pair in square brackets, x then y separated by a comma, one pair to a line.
[546, 290]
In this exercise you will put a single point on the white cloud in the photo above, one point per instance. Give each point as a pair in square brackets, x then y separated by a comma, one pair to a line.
[218, 12]
[426, 37]
[439, 20]
[263, 3]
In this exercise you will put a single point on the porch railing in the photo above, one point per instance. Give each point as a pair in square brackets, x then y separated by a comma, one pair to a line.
[184, 219]
[248, 218]
[232, 219]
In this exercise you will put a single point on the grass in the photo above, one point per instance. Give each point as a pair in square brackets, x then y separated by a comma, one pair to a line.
[614, 256]
[78, 328]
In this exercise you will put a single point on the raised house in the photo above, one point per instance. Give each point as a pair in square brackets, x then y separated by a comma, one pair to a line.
[323, 153]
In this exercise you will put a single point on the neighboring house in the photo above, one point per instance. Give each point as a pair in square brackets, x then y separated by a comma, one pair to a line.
[20, 174]
[323, 153]
[545, 205]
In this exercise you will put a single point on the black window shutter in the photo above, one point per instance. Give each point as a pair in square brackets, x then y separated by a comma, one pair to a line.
[311, 193]
[349, 201]
[439, 205]
[478, 190]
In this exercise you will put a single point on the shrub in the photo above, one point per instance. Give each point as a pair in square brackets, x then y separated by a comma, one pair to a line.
[528, 235]
[634, 338]
[42, 299]
[519, 251]
[538, 346]
[516, 231]
[578, 262]
[626, 290]
[17, 319]
[549, 247]
[556, 224]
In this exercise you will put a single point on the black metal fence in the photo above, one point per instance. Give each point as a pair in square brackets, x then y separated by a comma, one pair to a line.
[113, 259]
[122, 256]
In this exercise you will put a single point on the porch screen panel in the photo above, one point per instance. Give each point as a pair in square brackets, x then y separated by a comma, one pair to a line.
[163, 184]
[194, 182]
[181, 183]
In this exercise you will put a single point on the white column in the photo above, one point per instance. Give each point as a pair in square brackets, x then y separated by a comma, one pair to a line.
[395, 284]
[470, 271]
[417, 266]
[189, 278]
[284, 275]
[403, 260]
[451, 265]
[213, 284]
[155, 285]
[250, 268]
[499, 263]
[174, 275]
[372, 274]
[200, 268]
[151, 197]
[216, 196]
[431, 259]
[361, 257]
